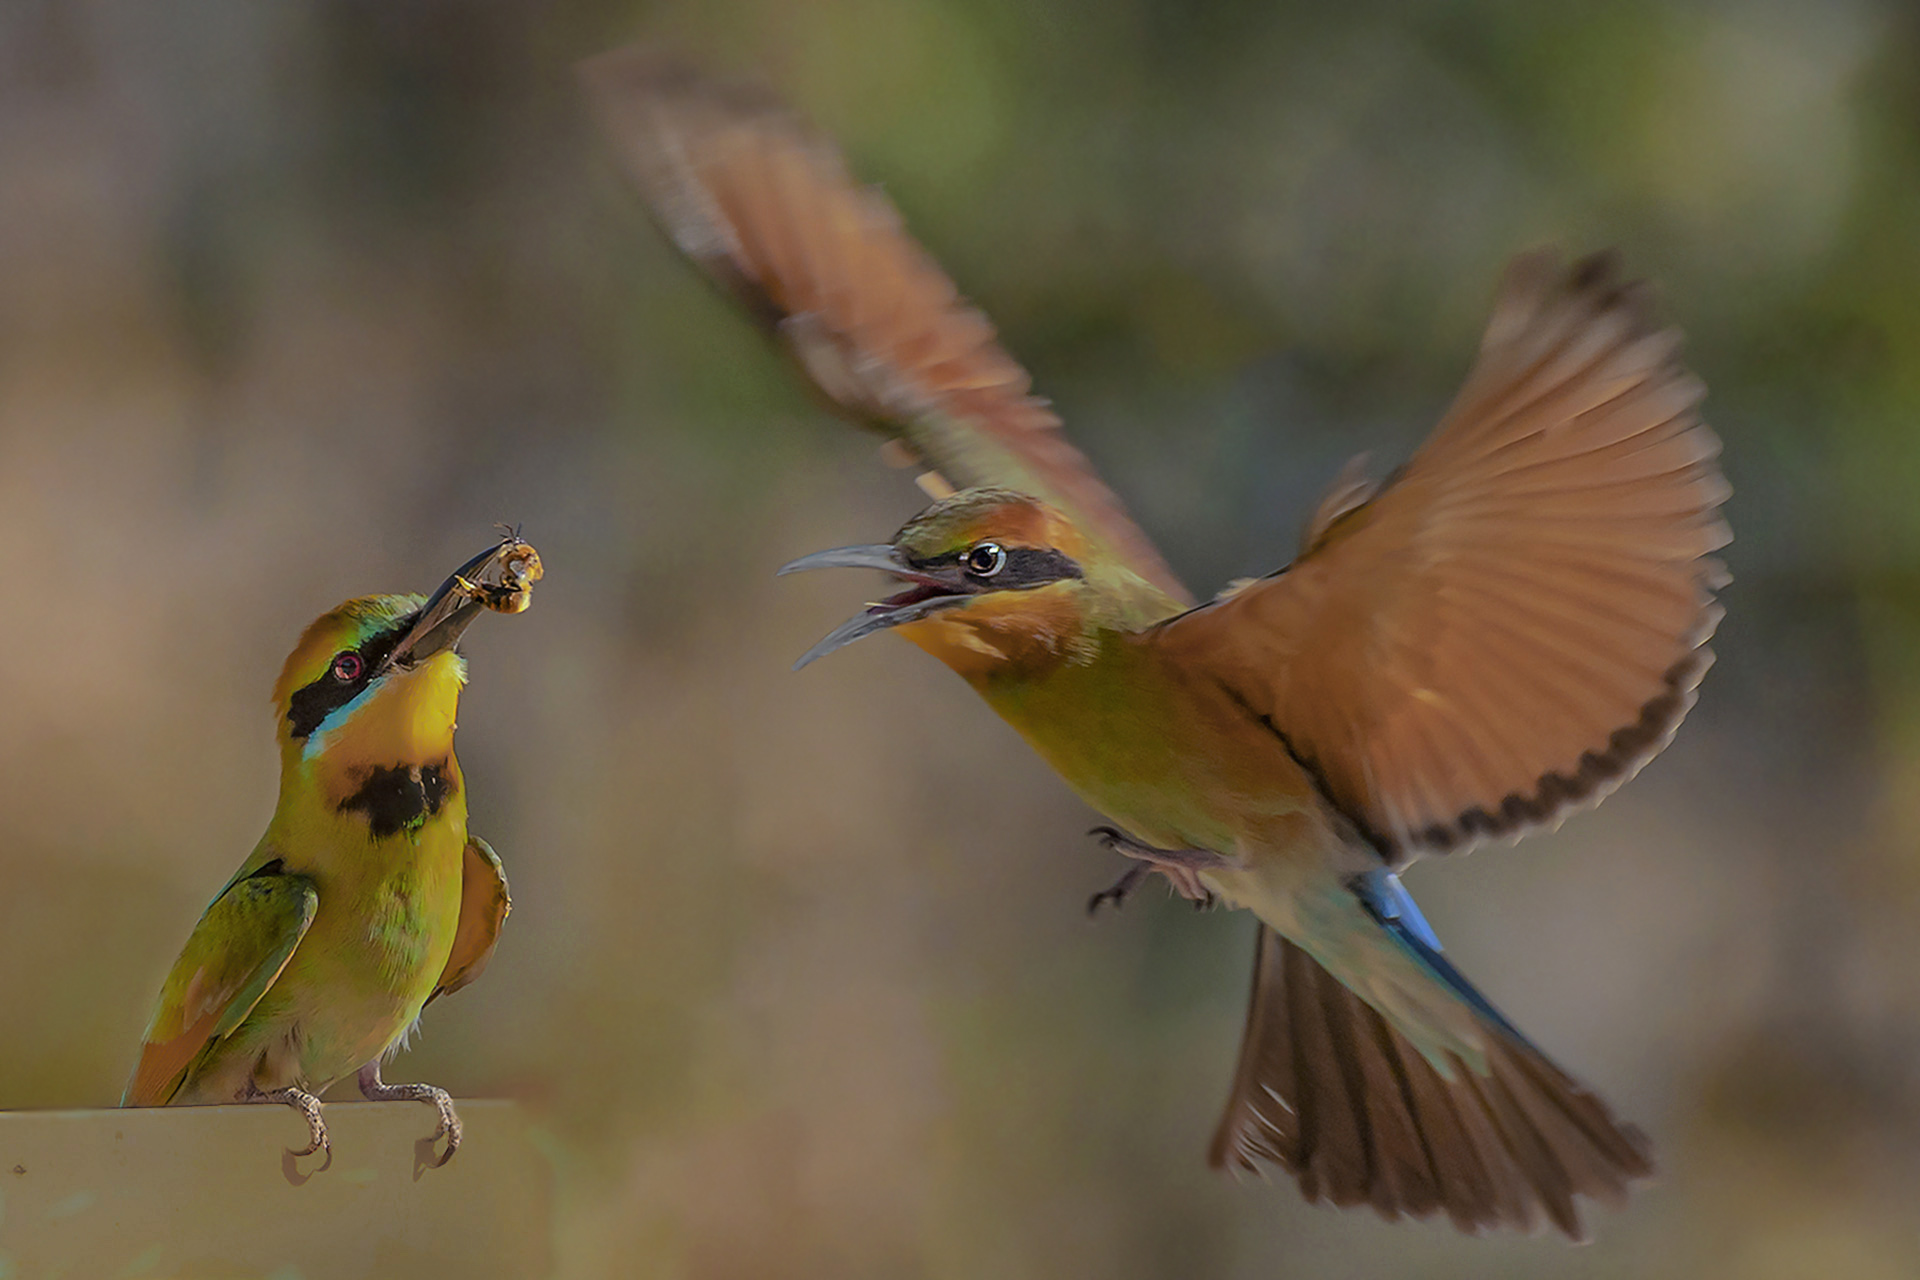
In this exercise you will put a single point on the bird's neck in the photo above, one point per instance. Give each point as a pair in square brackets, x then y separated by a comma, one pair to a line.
[1028, 635]
[387, 771]
[385, 796]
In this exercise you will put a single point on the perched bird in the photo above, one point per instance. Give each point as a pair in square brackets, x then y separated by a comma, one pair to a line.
[1501, 633]
[366, 899]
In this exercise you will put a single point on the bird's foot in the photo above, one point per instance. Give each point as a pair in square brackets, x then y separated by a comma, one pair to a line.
[1181, 867]
[374, 1089]
[303, 1102]
[1117, 892]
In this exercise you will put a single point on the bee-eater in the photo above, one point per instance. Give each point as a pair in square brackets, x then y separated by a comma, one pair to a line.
[1501, 633]
[367, 898]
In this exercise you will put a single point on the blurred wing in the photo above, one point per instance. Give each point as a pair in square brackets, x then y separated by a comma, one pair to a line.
[484, 904]
[1517, 622]
[767, 208]
[236, 952]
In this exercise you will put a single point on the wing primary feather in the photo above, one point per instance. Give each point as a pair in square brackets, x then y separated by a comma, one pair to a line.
[768, 208]
[1516, 621]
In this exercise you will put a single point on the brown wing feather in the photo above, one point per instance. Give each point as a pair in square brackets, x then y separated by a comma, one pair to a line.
[1518, 621]
[1328, 1091]
[244, 940]
[767, 208]
[163, 1063]
[484, 904]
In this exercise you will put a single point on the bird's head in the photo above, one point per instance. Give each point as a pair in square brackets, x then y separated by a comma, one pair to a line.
[994, 580]
[375, 683]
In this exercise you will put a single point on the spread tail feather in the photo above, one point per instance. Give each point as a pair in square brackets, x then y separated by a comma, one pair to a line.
[1329, 1091]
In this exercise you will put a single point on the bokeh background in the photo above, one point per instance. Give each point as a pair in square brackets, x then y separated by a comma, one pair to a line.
[296, 300]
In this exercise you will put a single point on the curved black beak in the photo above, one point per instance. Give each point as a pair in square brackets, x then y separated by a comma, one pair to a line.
[449, 611]
[931, 592]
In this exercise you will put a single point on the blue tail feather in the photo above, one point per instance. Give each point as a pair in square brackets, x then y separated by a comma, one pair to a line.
[1388, 902]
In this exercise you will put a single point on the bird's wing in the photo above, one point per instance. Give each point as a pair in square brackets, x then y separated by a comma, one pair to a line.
[1328, 1090]
[484, 904]
[243, 941]
[766, 207]
[1517, 621]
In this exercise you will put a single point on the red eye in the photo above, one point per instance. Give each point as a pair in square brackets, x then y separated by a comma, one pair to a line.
[347, 667]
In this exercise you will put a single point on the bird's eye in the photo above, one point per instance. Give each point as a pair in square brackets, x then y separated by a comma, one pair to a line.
[986, 560]
[347, 667]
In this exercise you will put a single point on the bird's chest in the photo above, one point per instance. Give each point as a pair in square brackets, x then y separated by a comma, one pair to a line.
[408, 921]
[378, 945]
[390, 884]
[1152, 754]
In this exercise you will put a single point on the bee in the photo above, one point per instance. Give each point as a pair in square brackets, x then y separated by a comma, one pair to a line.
[519, 566]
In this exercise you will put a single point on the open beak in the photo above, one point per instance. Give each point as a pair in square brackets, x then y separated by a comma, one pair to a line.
[928, 593]
[448, 612]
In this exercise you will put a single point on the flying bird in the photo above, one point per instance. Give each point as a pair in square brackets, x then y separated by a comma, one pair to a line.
[1501, 633]
[367, 898]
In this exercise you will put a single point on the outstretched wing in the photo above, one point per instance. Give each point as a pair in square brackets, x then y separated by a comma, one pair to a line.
[1517, 622]
[484, 904]
[767, 208]
[243, 941]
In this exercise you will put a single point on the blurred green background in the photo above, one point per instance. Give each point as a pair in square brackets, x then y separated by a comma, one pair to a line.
[297, 299]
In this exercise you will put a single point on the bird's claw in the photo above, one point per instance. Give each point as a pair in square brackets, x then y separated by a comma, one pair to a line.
[318, 1142]
[1117, 892]
[374, 1089]
[307, 1105]
[1181, 867]
[450, 1127]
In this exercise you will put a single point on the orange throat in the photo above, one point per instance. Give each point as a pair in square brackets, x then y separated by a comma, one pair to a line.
[1007, 635]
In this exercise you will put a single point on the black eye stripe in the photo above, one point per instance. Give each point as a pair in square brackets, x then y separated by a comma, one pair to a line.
[312, 704]
[1032, 566]
[1025, 567]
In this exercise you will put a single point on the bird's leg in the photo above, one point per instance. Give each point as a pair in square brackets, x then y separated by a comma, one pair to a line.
[1117, 892]
[1181, 867]
[303, 1102]
[374, 1089]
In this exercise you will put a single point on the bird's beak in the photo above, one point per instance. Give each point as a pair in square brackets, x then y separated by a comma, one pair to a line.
[930, 592]
[448, 612]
